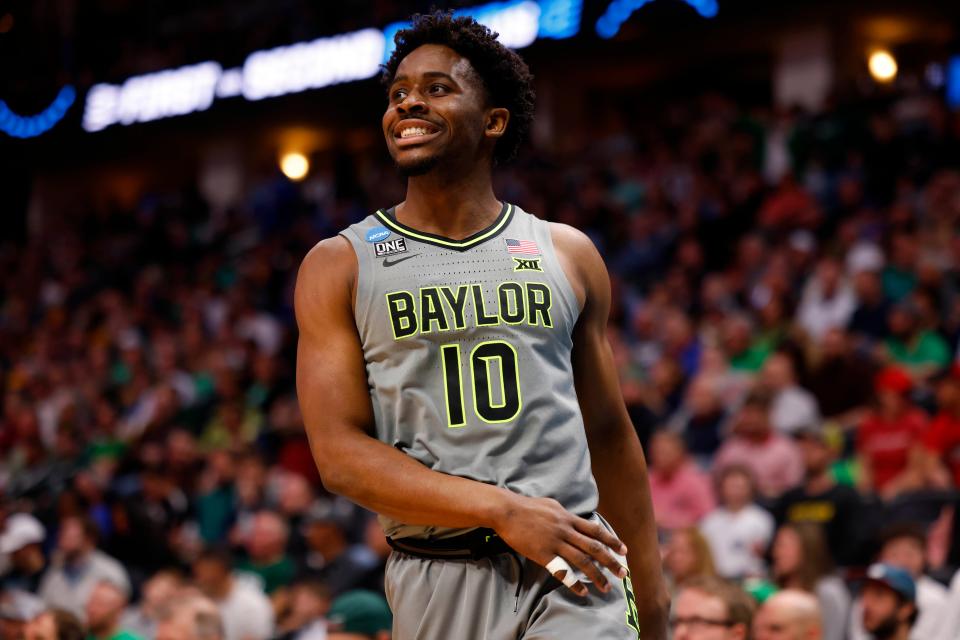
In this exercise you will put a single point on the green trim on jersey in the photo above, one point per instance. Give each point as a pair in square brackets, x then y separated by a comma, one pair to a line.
[503, 219]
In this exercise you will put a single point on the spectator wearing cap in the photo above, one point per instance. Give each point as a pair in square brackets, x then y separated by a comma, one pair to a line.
[905, 546]
[773, 460]
[360, 615]
[104, 612]
[821, 500]
[55, 624]
[77, 567]
[793, 407]
[331, 558]
[889, 602]
[801, 561]
[17, 608]
[788, 615]
[888, 435]
[941, 442]
[22, 541]
[709, 608]
[190, 617]
[921, 351]
[680, 491]
[247, 613]
[266, 546]
[738, 531]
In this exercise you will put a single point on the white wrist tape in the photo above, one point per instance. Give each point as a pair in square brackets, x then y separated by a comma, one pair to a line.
[557, 565]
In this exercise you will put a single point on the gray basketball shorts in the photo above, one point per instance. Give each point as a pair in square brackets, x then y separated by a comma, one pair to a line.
[480, 600]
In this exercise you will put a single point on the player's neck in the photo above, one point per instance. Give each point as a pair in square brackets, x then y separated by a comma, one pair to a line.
[449, 206]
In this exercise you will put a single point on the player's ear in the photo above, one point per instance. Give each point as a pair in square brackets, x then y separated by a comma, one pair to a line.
[497, 119]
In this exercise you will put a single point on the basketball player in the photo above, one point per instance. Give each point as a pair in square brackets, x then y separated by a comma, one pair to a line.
[453, 368]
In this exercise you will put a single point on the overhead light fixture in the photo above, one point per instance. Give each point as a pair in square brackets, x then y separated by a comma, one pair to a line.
[882, 65]
[295, 166]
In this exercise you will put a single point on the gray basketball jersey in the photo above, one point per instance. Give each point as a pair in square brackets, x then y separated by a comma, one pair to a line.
[467, 347]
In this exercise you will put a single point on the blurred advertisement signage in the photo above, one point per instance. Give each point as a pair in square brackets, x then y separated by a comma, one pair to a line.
[953, 82]
[306, 65]
[619, 11]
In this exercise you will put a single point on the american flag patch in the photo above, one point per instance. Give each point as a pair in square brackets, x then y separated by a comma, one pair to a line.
[523, 247]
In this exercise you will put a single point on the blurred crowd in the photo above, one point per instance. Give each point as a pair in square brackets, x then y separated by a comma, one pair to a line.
[786, 328]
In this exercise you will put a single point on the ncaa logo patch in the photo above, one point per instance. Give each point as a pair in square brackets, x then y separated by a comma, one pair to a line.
[390, 247]
[378, 234]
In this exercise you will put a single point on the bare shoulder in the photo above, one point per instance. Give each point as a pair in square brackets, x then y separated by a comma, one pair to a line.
[326, 277]
[580, 260]
[572, 242]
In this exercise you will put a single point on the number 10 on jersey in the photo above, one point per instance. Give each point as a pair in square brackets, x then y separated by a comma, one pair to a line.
[490, 363]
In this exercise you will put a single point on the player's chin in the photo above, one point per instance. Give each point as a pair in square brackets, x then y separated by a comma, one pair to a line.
[415, 164]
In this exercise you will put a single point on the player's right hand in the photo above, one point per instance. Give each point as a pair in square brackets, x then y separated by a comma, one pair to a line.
[541, 529]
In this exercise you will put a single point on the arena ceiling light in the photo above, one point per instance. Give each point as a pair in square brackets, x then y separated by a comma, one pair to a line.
[305, 65]
[882, 65]
[295, 166]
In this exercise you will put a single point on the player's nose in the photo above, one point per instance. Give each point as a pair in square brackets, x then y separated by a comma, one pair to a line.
[412, 103]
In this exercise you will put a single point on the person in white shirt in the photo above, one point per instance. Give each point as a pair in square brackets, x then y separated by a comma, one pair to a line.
[77, 567]
[793, 407]
[247, 612]
[905, 546]
[738, 531]
[950, 622]
[827, 301]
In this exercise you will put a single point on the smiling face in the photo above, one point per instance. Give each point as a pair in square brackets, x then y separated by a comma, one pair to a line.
[437, 113]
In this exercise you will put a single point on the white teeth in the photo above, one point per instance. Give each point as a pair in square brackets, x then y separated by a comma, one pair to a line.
[409, 132]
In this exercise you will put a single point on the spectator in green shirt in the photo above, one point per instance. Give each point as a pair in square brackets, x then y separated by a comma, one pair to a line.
[266, 546]
[922, 351]
[104, 609]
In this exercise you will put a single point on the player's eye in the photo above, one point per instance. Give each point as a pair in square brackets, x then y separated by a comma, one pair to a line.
[398, 94]
[438, 88]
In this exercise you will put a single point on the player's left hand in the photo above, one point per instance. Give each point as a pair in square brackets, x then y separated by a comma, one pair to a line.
[541, 530]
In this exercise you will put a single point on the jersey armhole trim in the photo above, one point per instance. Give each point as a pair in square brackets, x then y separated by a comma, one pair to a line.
[568, 294]
[362, 294]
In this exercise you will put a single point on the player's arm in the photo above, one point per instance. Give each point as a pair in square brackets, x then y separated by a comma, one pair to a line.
[616, 456]
[335, 402]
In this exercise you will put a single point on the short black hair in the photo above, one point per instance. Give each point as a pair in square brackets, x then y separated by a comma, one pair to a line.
[505, 76]
[900, 530]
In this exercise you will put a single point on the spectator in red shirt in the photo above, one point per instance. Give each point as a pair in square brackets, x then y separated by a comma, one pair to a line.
[682, 494]
[888, 435]
[941, 442]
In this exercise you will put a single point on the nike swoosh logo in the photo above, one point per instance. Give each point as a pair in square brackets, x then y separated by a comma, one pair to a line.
[387, 262]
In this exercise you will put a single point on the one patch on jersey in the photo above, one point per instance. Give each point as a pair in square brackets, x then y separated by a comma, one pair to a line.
[378, 234]
[522, 247]
[390, 247]
[527, 264]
